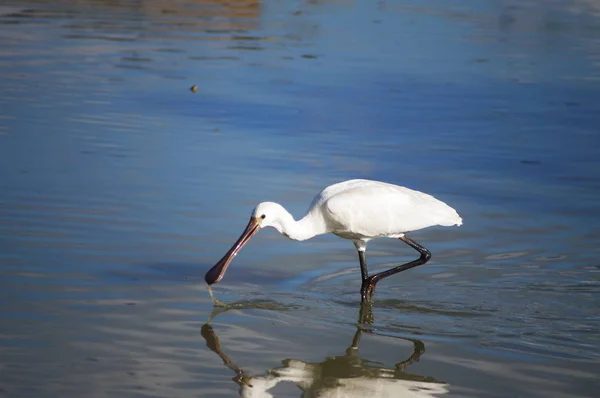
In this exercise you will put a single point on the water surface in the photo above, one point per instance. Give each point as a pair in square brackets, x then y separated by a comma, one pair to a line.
[119, 188]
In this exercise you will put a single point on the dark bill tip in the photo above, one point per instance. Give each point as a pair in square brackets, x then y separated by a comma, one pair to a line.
[213, 275]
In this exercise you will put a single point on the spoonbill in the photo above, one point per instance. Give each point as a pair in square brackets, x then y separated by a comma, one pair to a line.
[358, 210]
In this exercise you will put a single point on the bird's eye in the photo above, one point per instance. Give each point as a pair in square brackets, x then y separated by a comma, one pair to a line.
[263, 216]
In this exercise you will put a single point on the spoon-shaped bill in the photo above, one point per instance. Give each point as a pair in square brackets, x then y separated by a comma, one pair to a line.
[216, 273]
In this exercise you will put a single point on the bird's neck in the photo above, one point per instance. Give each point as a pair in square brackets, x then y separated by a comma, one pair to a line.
[303, 229]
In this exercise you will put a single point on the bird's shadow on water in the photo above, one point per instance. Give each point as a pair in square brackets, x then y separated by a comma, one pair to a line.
[348, 375]
[259, 304]
[407, 307]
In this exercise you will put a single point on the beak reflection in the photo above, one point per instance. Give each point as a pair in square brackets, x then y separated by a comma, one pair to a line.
[216, 273]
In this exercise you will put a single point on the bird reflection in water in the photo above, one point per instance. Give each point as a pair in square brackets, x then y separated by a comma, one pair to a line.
[347, 375]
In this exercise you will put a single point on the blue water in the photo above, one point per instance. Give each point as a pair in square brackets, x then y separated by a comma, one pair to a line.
[119, 188]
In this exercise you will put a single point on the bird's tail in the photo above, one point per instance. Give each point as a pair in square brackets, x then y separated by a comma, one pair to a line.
[451, 218]
[458, 221]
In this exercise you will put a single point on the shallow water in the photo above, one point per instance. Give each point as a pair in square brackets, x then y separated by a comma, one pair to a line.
[119, 188]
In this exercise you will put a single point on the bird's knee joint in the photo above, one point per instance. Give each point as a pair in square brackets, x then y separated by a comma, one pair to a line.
[425, 255]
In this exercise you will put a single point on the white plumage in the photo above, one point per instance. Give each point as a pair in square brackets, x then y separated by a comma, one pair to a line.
[359, 210]
[364, 209]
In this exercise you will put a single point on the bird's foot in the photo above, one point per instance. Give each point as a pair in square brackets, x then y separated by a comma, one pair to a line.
[367, 289]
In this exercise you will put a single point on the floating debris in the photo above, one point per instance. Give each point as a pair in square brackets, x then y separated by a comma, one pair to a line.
[194, 89]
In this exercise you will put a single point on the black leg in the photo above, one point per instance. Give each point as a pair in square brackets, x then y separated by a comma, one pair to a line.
[363, 264]
[368, 285]
[364, 273]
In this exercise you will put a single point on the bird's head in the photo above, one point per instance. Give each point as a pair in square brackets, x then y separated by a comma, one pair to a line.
[270, 214]
[266, 214]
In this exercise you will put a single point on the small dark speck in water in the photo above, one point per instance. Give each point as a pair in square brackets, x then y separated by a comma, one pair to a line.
[309, 56]
[194, 89]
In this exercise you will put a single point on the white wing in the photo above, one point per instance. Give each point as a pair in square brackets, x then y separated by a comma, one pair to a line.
[369, 209]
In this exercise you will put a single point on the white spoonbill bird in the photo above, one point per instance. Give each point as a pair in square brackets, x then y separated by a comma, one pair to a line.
[359, 210]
